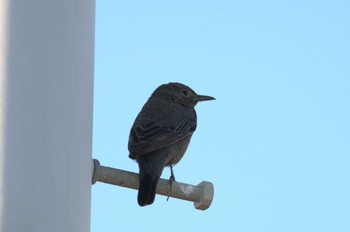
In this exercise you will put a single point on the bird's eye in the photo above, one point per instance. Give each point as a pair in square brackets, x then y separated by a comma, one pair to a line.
[185, 93]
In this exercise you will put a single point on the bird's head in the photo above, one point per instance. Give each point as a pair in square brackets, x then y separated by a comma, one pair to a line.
[180, 93]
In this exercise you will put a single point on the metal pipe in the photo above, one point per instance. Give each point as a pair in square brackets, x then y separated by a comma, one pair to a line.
[202, 194]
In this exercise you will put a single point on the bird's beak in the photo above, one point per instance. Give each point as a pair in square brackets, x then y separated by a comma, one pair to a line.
[204, 98]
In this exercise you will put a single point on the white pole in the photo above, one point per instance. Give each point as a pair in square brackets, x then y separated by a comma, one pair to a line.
[46, 97]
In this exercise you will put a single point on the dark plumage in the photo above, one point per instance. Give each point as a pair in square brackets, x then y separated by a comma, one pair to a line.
[161, 133]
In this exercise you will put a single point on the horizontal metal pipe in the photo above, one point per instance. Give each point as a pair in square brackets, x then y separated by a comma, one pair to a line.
[202, 194]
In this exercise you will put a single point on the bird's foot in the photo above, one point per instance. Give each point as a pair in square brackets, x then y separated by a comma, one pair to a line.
[171, 180]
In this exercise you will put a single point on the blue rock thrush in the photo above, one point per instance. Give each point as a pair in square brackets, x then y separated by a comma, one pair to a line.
[161, 133]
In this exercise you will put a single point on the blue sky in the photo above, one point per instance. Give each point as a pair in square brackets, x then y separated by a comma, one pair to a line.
[275, 143]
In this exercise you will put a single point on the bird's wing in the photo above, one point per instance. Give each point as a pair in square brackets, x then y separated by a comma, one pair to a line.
[151, 137]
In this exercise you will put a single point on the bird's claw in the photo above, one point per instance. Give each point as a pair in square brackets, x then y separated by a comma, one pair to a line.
[171, 180]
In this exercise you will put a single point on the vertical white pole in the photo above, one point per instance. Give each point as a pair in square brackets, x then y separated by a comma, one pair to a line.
[46, 97]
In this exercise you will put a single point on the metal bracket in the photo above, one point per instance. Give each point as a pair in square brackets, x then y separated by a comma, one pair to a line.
[202, 195]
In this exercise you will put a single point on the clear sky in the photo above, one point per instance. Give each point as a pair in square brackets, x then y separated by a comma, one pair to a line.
[275, 143]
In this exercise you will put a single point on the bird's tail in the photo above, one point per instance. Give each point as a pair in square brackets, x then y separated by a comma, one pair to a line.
[147, 190]
[151, 168]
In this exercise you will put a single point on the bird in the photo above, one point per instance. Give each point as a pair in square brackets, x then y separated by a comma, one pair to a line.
[161, 133]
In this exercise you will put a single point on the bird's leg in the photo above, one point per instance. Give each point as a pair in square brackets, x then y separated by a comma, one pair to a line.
[171, 179]
[172, 176]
